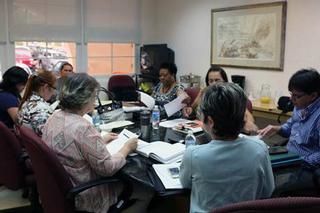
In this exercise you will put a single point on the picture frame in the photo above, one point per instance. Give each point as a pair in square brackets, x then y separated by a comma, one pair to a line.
[251, 36]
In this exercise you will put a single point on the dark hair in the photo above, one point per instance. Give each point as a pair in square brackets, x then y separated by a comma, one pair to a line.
[11, 78]
[226, 104]
[37, 80]
[64, 64]
[171, 67]
[77, 91]
[216, 68]
[305, 80]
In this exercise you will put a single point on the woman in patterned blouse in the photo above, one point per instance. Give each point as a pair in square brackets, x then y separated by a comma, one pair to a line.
[80, 147]
[34, 109]
[168, 89]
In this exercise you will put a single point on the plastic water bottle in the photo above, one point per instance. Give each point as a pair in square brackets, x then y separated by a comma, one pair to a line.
[96, 120]
[190, 139]
[155, 117]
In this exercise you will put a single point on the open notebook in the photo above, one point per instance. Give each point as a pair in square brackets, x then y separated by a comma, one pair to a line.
[159, 150]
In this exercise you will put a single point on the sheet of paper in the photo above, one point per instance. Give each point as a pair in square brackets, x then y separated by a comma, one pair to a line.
[115, 124]
[175, 105]
[147, 100]
[115, 145]
[173, 123]
[54, 105]
[163, 173]
[133, 108]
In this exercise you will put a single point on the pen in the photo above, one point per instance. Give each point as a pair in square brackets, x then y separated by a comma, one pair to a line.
[126, 135]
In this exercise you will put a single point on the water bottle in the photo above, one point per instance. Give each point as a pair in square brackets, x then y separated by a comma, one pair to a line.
[155, 117]
[96, 120]
[190, 139]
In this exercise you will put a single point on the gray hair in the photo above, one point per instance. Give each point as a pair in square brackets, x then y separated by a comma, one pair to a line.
[225, 103]
[77, 91]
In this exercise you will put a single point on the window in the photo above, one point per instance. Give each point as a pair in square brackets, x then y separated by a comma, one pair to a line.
[111, 58]
[45, 55]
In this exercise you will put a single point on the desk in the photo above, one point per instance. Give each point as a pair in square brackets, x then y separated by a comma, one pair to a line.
[268, 111]
[140, 169]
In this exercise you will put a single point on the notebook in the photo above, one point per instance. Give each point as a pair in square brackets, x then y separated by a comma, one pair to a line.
[161, 151]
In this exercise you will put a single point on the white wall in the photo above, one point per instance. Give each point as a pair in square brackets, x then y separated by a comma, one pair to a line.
[185, 26]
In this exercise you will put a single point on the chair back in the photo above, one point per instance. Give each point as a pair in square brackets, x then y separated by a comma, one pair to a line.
[123, 87]
[274, 205]
[249, 106]
[11, 164]
[52, 179]
[193, 93]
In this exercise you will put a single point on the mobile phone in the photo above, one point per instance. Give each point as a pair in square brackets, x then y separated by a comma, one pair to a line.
[277, 150]
[174, 172]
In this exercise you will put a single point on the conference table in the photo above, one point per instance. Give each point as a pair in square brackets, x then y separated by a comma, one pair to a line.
[139, 168]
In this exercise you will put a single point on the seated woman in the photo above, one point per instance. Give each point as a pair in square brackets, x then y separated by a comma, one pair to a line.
[230, 168]
[80, 147]
[13, 83]
[217, 74]
[34, 109]
[167, 89]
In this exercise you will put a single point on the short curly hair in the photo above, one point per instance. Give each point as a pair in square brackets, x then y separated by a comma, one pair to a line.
[77, 91]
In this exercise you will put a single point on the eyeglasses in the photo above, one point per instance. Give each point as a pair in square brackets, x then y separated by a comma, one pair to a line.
[53, 87]
[297, 96]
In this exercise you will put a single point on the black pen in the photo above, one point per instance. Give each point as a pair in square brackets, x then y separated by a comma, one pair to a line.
[126, 135]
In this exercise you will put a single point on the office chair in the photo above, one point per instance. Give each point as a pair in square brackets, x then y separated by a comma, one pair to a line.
[274, 205]
[123, 88]
[193, 93]
[56, 191]
[16, 172]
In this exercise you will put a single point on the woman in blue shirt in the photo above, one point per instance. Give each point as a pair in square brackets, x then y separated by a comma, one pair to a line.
[13, 83]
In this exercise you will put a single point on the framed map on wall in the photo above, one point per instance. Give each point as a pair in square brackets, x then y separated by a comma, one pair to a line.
[251, 36]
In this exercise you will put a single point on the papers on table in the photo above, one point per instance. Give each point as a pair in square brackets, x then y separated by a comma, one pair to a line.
[173, 123]
[183, 125]
[162, 170]
[175, 105]
[133, 108]
[115, 124]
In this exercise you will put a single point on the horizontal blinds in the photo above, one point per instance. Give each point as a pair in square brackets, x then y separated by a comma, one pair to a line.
[44, 20]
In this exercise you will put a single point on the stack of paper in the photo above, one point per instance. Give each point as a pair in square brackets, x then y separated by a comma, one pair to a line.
[166, 178]
[115, 124]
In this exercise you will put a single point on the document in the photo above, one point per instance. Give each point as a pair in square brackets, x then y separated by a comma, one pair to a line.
[53, 106]
[183, 125]
[168, 180]
[147, 100]
[115, 145]
[175, 105]
[173, 123]
[115, 124]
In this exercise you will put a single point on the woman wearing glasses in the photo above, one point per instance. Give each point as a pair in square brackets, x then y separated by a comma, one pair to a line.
[34, 109]
[215, 75]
